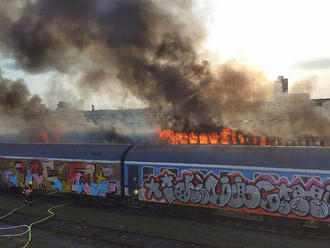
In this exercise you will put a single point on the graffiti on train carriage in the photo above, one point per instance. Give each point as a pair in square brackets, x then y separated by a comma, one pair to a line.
[232, 191]
[82, 178]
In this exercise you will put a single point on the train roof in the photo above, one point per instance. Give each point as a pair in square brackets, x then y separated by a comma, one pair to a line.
[89, 152]
[260, 156]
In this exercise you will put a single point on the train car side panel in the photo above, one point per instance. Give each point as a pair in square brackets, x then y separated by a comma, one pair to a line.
[289, 193]
[81, 177]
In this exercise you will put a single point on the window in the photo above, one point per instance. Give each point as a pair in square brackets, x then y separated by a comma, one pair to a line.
[147, 172]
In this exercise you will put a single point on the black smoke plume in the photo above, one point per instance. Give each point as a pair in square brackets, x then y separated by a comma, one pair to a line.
[149, 46]
[152, 50]
[25, 114]
[25, 118]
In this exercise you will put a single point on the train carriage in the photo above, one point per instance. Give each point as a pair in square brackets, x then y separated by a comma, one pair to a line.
[281, 181]
[292, 182]
[72, 168]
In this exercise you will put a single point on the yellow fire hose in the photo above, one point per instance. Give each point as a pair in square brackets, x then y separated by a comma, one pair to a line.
[29, 227]
[29, 203]
[52, 214]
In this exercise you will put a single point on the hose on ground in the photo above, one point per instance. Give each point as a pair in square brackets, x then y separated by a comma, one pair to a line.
[20, 226]
[14, 234]
[52, 214]
[29, 203]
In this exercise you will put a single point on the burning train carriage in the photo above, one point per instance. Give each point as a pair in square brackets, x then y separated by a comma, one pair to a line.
[83, 169]
[282, 181]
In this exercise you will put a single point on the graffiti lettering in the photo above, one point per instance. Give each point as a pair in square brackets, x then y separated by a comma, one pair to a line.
[296, 198]
[75, 177]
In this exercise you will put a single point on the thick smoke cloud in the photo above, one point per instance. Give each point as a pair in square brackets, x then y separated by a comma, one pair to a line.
[152, 51]
[150, 48]
[25, 118]
[24, 113]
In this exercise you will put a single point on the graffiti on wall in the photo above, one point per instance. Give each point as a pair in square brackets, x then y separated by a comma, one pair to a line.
[78, 177]
[234, 191]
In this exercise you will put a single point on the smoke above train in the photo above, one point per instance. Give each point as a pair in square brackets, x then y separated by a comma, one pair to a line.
[152, 51]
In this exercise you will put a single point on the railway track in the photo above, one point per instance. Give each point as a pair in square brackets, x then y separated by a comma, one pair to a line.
[223, 218]
[123, 238]
[112, 236]
[267, 224]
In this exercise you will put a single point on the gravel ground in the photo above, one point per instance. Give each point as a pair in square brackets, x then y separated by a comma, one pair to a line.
[81, 226]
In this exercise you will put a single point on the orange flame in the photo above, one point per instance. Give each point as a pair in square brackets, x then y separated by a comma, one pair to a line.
[214, 138]
[263, 141]
[183, 138]
[50, 137]
[233, 137]
[45, 136]
[226, 136]
[174, 139]
[165, 134]
[241, 139]
[193, 139]
[203, 139]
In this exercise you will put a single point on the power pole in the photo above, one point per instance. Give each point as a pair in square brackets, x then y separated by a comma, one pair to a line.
[254, 92]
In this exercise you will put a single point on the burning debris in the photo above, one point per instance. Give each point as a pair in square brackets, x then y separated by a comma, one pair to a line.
[225, 136]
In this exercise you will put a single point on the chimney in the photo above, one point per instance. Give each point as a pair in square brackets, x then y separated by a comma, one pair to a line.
[280, 88]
